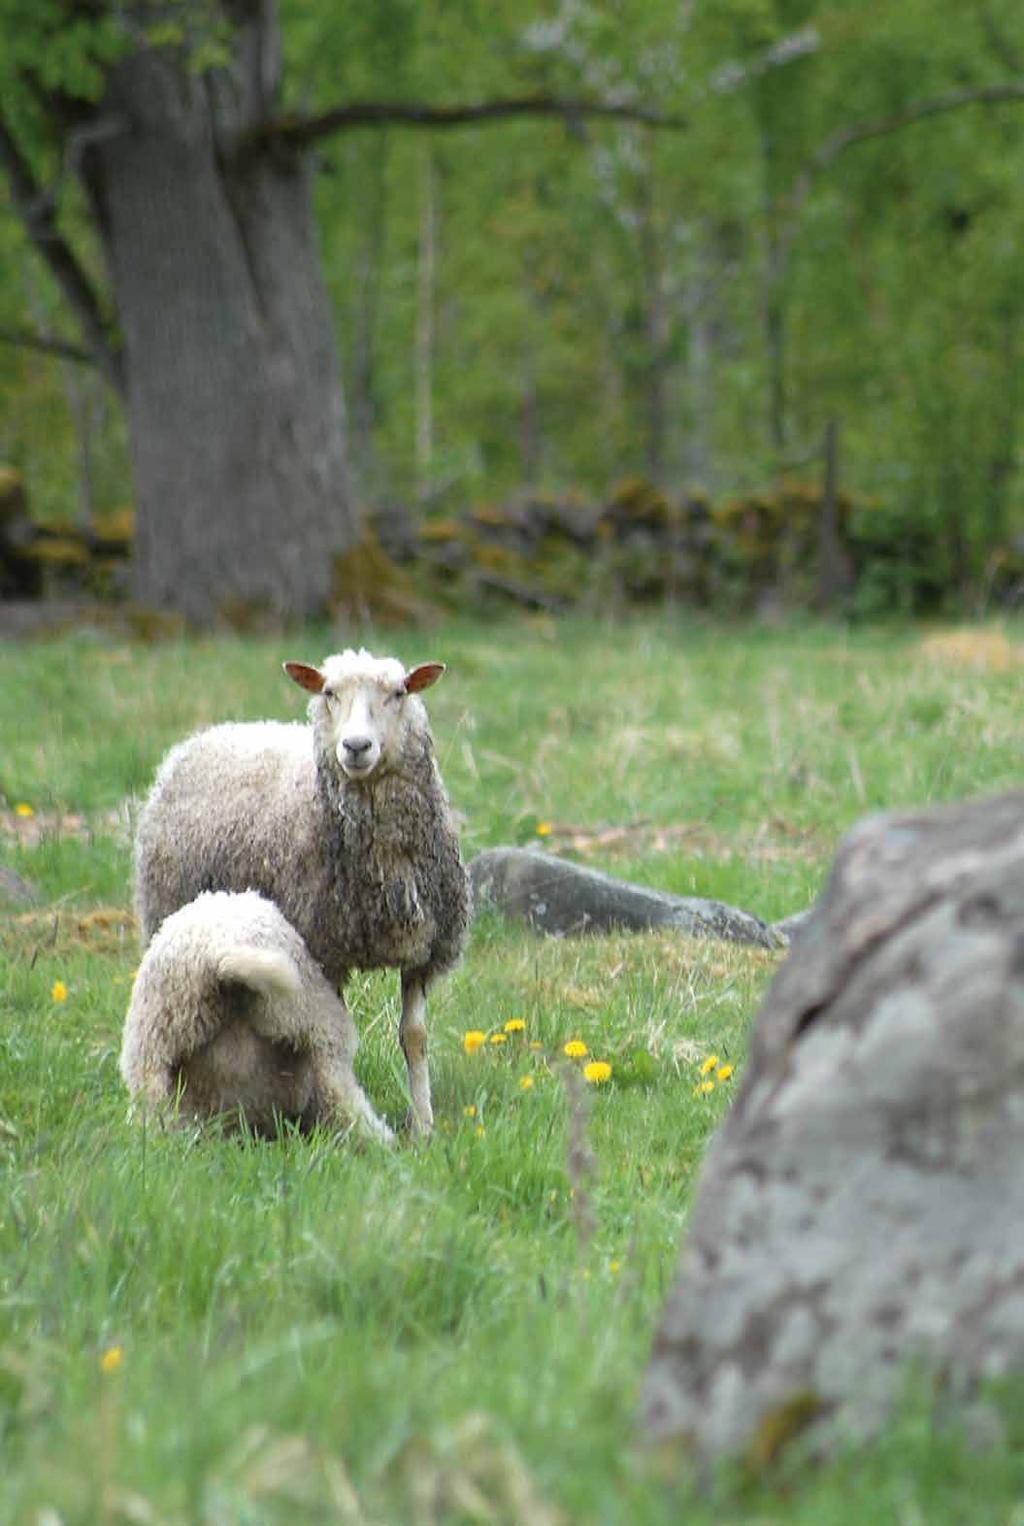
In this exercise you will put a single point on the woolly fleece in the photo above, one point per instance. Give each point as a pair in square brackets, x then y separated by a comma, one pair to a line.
[230, 1016]
[368, 872]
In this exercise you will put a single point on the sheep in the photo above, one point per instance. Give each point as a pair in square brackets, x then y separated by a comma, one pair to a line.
[344, 824]
[230, 1017]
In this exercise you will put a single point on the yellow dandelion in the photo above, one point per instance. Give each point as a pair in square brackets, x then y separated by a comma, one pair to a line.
[111, 1359]
[536, 1044]
[525, 1083]
[23, 809]
[515, 1025]
[470, 1111]
[705, 1087]
[473, 1040]
[499, 1038]
[59, 991]
[615, 1267]
[597, 1072]
[544, 829]
[724, 1072]
[480, 1131]
[709, 1064]
[575, 1049]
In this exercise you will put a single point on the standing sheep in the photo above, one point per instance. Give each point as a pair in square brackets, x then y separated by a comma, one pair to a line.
[345, 825]
[230, 1016]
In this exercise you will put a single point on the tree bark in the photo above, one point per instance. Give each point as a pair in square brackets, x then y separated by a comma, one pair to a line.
[233, 393]
[362, 323]
[835, 573]
[702, 304]
[425, 300]
[38, 214]
[656, 323]
[775, 342]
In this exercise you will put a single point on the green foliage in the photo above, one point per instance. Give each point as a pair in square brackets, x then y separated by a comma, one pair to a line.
[65, 48]
[591, 279]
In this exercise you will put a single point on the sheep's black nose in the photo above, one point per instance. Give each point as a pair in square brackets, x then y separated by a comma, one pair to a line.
[356, 746]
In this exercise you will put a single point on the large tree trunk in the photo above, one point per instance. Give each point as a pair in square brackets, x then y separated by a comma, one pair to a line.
[233, 391]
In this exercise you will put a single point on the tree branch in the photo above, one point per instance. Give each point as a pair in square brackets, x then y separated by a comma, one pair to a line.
[38, 214]
[297, 132]
[1009, 56]
[881, 127]
[63, 348]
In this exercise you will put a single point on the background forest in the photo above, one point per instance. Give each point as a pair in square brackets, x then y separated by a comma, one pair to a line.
[830, 230]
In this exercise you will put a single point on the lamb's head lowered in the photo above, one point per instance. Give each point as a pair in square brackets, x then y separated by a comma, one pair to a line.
[365, 707]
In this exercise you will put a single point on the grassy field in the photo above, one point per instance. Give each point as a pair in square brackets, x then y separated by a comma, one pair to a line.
[199, 1330]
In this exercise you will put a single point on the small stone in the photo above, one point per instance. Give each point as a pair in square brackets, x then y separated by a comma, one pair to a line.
[562, 899]
[15, 891]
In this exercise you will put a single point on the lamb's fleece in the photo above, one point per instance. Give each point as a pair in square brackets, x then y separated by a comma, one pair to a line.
[231, 1016]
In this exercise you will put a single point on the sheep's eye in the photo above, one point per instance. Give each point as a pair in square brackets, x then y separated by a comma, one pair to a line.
[329, 695]
[396, 695]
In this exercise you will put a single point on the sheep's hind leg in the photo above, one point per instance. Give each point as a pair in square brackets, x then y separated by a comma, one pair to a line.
[339, 1095]
[330, 1043]
[412, 1035]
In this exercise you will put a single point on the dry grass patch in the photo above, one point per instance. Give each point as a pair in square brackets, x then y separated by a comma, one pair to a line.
[60, 930]
[969, 647]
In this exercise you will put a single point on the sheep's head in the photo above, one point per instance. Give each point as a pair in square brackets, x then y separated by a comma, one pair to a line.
[365, 707]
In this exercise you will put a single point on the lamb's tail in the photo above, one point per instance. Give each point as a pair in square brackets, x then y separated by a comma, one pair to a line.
[266, 970]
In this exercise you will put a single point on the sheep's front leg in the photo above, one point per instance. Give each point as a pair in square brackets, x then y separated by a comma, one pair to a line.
[412, 1035]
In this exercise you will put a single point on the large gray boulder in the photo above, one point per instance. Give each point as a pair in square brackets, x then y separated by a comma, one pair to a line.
[861, 1211]
[559, 897]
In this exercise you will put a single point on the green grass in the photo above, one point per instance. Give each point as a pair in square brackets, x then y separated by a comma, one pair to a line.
[315, 1332]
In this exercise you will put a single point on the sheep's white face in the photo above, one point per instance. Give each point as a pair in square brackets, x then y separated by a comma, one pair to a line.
[367, 706]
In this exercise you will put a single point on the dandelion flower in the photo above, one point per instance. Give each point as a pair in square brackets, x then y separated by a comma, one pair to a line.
[499, 1038]
[724, 1072]
[705, 1087]
[536, 1044]
[597, 1072]
[515, 1025]
[59, 991]
[470, 1111]
[615, 1267]
[473, 1040]
[525, 1083]
[23, 809]
[480, 1131]
[111, 1359]
[709, 1064]
[543, 829]
[575, 1049]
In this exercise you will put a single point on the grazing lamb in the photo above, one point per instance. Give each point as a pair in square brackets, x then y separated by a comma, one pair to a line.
[344, 825]
[230, 1016]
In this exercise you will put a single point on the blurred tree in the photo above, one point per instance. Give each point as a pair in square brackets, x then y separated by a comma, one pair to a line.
[216, 328]
[836, 235]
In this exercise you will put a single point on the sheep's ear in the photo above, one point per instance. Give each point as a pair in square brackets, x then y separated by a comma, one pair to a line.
[422, 677]
[306, 677]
